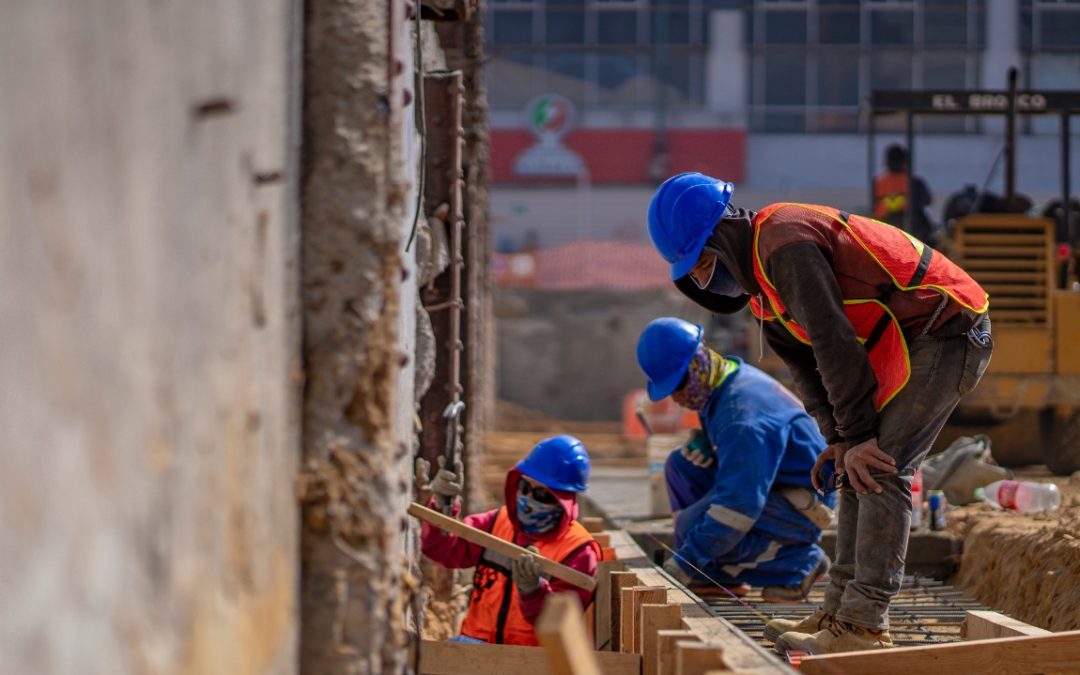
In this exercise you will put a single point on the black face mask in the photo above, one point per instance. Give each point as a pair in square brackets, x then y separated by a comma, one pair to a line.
[722, 283]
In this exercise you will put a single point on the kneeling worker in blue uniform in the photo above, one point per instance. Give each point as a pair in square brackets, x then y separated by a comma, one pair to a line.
[744, 507]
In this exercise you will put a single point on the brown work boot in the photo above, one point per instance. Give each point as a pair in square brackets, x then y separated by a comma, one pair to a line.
[838, 637]
[811, 624]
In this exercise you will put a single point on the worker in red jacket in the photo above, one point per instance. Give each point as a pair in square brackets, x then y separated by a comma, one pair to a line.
[540, 513]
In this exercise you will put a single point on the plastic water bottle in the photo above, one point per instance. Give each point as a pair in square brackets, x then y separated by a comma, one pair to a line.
[1018, 495]
[917, 500]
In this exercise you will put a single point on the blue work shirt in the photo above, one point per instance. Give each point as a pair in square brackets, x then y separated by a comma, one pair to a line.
[763, 440]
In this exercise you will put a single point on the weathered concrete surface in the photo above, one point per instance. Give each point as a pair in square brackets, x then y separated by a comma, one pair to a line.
[148, 338]
[359, 298]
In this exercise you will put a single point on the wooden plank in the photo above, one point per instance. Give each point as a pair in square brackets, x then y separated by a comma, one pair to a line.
[626, 619]
[655, 618]
[696, 658]
[1054, 653]
[647, 595]
[461, 658]
[493, 543]
[602, 539]
[740, 651]
[561, 632]
[665, 649]
[630, 611]
[593, 524]
[619, 581]
[985, 625]
[603, 601]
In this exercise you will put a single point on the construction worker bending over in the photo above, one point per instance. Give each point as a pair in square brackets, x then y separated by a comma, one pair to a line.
[882, 335]
[741, 495]
[540, 513]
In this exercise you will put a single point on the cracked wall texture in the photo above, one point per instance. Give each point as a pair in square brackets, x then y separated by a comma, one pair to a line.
[359, 294]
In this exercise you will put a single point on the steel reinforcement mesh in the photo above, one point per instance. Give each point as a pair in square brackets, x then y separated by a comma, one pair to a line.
[924, 612]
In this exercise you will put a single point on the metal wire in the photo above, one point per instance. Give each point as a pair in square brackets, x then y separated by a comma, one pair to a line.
[925, 611]
[723, 588]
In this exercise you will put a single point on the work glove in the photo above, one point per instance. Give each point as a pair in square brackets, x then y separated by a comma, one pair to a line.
[698, 450]
[525, 571]
[676, 572]
[445, 486]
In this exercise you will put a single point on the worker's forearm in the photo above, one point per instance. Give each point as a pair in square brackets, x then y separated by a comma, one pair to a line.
[808, 287]
[452, 551]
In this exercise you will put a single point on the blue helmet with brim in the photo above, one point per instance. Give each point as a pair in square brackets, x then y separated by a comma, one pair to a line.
[682, 215]
[664, 351]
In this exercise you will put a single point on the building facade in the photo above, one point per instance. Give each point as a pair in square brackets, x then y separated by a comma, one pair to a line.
[767, 93]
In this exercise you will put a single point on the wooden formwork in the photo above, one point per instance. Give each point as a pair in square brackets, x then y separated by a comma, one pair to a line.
[639, 610]
[643, 623]
[681, 636]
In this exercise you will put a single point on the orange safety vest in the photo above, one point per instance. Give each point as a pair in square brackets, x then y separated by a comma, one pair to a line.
[890, 194]
[494, 608]
[910, 264]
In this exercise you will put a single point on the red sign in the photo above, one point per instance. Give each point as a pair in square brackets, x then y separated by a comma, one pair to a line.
[624, 155]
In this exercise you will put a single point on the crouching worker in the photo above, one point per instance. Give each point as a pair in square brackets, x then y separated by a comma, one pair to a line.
[744, 508]
[540, 513]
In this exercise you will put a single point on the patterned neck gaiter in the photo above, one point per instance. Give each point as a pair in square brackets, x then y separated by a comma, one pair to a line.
[707, 371]
[536, 517]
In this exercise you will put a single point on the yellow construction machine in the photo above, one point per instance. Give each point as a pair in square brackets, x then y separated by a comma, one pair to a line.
[1029, 400]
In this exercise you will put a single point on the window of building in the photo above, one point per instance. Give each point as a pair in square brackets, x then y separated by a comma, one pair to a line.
[601, 54]
[811, 62]
[851, 47]
[1049, 36]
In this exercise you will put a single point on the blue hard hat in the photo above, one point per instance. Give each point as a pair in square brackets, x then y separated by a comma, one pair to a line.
[682, 215]
[664, 352]
[559, 462]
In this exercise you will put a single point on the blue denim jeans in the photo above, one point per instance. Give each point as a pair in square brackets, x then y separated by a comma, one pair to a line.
[872, 529]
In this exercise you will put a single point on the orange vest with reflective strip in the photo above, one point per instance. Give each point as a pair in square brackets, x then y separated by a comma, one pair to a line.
[908, 262]
[494, 608]
[890, 194]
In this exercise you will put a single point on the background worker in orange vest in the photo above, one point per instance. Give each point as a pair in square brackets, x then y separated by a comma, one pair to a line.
[540, 513]
[882, 335]
[891, 196]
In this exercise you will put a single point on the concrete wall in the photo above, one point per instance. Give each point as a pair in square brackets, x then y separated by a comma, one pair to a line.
[148, 320]
[572, 354]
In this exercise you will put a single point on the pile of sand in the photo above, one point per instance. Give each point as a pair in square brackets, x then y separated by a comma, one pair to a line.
[1026, 565]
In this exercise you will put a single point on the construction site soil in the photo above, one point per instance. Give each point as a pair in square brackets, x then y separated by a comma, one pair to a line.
[1026, 565]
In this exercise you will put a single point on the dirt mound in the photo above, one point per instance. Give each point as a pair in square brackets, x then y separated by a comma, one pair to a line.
[1026, 565]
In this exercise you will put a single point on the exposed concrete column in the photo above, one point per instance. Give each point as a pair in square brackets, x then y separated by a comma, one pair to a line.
[1002, 52]
[1002, 48]
[149, 338]
[356, 468]
[727, 66]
